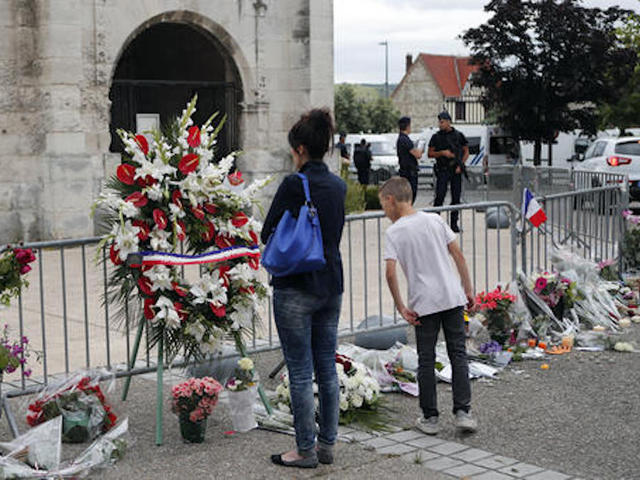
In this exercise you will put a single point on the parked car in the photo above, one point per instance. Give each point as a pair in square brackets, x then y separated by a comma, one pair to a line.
[384, 159]
[614, 155]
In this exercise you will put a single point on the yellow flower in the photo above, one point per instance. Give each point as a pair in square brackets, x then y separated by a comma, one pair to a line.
[245, 363]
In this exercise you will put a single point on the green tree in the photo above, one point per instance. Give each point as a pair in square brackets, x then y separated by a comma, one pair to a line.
[546, 65]
[622, 111]
[382, 115]
[362, 109]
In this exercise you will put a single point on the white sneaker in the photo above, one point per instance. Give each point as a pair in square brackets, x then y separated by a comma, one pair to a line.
[428, 425]
[465, 423]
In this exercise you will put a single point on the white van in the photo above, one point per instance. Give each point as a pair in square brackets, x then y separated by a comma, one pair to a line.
[384, 159]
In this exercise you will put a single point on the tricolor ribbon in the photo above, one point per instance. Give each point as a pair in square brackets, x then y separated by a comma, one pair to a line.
[139, 259]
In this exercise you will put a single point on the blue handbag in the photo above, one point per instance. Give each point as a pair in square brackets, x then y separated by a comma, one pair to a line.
[295, 246]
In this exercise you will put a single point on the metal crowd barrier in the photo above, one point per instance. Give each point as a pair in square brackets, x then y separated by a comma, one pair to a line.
[63, 313]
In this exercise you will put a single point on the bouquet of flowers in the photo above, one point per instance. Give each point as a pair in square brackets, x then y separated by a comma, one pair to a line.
[608, 270]
[195, 398]
[243, 378]
[83, 406]
[397, 371]
[557, 291]
[495, 306]
[14, 264]
[13, 354]
[170, 192]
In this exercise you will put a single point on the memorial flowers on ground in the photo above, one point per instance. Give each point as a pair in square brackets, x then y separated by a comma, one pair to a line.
[495, 306]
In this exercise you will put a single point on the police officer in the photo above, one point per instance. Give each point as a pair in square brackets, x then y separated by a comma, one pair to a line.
[408, 155]
[362, 161]
[450, 149]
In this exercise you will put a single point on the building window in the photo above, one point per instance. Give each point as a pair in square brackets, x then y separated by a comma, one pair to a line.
[461, 110]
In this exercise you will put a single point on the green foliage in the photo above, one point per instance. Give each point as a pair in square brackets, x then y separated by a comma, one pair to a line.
[372, 201]
[362, 109]
[354, 201]
[540, 76]
[631, 248]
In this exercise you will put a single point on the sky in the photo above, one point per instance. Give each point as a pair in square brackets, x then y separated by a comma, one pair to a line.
[409, 26]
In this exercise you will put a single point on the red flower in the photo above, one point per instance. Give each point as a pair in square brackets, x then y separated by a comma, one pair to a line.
[179, 307]
[142, 143]
[198, 212]
[114, 255]
[138, 199]
[143, 234]
[194, 137]
[176, 197]
[220, 311]
[248, 290]
[181, 230]
[254, 262]
[160, 218]
[149, 314]
[224, 241]
[210, 233]
[344, 361]
[222, 273]
[210, 208]
[235, 178]
[179, 289]
[254, 237]
[125, 173]
[188, 163]
[144, 284]
[239, 219]
[24, 255]
[25, 269]
[146, 181]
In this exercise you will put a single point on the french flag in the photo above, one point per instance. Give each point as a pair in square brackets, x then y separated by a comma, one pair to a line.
[531, 209]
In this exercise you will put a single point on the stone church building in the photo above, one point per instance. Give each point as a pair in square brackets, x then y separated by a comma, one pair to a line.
[72, 71]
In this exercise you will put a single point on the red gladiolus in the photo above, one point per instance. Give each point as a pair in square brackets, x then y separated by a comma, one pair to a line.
[138, 199]
[254, 237]
[188, 163]
[142, 143]
[220, 311]
[144, 284]
[160, 218]
[254, 262]
[210, 208]
[210, 233]
[182, 313]
[143, 233]
[181, 230]
[222, 273]
[224, 241]
[176, 197]
[114, 255]
[235, 178]
[125, 173]
[148, 311]
[194, 137]
[198, 212]
[239, 219]
[179, 289]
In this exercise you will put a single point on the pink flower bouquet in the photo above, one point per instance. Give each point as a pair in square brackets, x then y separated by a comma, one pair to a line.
[195, 398]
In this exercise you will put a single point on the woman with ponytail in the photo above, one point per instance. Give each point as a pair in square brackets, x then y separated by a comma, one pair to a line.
[307, 306]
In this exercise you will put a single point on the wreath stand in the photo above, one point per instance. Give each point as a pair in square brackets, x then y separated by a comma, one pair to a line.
[136, 260]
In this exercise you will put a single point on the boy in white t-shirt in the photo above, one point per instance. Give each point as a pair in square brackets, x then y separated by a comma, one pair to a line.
[423, 243]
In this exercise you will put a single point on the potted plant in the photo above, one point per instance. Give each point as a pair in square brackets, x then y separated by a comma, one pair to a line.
[241, 391]
[193, 402]
[495, 306]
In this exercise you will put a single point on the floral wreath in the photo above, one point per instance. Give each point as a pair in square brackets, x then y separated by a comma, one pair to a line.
[170, 204]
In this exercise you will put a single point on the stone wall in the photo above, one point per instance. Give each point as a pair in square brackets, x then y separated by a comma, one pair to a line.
[419, 97]
[57, 59]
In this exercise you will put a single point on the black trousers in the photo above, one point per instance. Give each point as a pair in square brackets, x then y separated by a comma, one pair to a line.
[452, 322]
[444, 177]
[412, 177]
[363, 176]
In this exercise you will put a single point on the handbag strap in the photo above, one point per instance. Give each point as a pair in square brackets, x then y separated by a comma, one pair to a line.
[305, 186]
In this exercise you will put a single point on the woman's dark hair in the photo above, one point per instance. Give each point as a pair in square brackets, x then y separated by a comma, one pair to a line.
[314, 130]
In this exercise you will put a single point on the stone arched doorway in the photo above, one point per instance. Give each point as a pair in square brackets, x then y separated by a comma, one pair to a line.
[162, 68]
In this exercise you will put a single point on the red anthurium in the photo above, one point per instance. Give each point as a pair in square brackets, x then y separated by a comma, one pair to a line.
[254, 237]
[254, 262]
[182, 313]
[210, 208]
[176, 197]
[160, 218]
[142, 143]
[125, 173]
[138, 199]
[219, 311]
[114, 255]
[143, 233]
[181, 230]
[235, 178]
[147, 181]
[148, 311]
[239, 219]
[222, 273]
[194, 137]
[198, 212]
[179, 289]
[188, 163]
[210, 233]
[144, 284]
[224, 241]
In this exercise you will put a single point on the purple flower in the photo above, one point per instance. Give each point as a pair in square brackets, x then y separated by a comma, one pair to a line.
[490, 347]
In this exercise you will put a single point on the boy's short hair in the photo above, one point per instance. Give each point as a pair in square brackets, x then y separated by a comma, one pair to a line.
[397, 187]
[403, 123]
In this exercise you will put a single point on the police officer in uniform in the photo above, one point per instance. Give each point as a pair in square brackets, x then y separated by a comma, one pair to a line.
[408, 155]
[450, 149]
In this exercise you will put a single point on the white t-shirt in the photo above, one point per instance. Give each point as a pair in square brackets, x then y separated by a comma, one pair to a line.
[419, 242]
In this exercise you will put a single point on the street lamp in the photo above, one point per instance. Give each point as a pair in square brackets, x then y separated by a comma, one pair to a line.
[386, 67]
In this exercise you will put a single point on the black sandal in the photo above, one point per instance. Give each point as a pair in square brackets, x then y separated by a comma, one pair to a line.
[304, 462]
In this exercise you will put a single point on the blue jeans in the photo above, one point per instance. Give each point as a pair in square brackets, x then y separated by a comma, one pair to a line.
[307, 326]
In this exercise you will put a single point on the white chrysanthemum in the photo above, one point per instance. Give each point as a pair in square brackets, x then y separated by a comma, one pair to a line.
[166, 313]
[160, 239]
[245, 363]
[160, 277]
[356, 400]
[126, 240]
